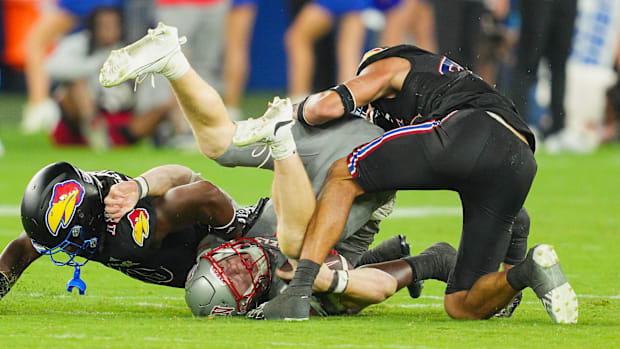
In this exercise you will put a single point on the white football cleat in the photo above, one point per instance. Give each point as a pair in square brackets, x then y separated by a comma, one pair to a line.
[550, 285]
[273, 128]
[153, 53]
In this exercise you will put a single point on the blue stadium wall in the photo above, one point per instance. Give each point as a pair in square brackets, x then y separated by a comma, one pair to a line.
[268, 59]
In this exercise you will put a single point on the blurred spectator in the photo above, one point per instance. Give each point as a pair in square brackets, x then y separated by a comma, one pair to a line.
[590, 74]
[497, 39]
[142, 16]
[325, 66]
[458, 29]
[546, 31]
[203, 23]
[314, 21]
[58, 19]
[90, 113]
[612, 114]
[236, 65]
[404, 18]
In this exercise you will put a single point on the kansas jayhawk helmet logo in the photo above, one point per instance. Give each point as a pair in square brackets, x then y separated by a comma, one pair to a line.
[67, 196]
[139, 219]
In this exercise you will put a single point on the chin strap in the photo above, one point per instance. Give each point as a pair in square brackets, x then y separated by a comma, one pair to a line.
[76, 282]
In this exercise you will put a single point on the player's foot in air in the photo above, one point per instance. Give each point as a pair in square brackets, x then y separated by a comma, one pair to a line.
[156, 52]
[544, 275]
[273, 128]
[265, 129]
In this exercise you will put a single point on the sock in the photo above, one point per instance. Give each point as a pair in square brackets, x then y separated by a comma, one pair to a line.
[301, 285]
[176, 67]
[283, 147]
[517, 276]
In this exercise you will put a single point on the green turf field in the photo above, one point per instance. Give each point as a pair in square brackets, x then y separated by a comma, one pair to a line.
[574, 205]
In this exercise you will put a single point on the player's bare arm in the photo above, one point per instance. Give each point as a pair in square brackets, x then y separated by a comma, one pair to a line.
[378, 80]
[198, 202]
[15, 258]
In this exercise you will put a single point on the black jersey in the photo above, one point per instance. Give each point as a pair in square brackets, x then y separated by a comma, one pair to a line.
[434, 87]
[128, 246]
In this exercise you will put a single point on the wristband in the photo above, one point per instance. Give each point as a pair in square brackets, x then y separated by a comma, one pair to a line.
[340, 282]
[348, 101]
[300, 113]
[143, 187]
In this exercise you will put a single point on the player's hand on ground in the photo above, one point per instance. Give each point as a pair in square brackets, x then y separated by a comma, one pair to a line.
[121, 199]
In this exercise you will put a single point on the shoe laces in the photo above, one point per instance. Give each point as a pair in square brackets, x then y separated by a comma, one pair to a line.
[259, 150]
[153, 34]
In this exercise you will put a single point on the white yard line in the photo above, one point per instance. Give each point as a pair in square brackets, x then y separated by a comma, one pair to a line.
[9, 211]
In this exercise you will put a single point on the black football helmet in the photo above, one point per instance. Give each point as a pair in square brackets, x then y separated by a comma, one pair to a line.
[62, 211]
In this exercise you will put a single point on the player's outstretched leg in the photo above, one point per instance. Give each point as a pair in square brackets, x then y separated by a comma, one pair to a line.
[159, 51]
[542, 272]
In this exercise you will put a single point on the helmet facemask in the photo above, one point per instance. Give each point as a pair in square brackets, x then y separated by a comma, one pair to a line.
[228, 279]
[75, 245]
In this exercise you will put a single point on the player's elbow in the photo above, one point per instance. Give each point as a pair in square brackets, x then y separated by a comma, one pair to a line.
[323, 107]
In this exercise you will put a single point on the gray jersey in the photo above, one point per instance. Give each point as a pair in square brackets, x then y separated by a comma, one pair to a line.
[318, 147]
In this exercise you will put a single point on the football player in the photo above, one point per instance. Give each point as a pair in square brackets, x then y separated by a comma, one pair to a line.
[63, 216]
[446, 129]
[173, 213]
[231, 278]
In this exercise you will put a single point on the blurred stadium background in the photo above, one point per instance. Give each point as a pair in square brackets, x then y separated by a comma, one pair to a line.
[574, 203]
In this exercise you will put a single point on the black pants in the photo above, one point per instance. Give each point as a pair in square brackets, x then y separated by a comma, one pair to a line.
[468, 152]
[546, 31]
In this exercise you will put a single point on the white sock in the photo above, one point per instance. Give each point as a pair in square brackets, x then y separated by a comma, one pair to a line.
[176, 67]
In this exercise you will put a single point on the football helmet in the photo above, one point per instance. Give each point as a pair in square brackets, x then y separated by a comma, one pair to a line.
[62, 211]
[229, 279]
